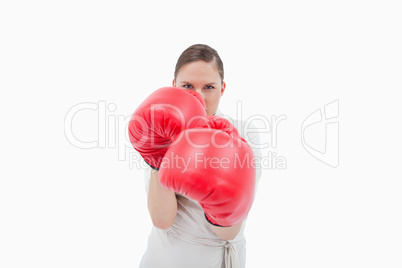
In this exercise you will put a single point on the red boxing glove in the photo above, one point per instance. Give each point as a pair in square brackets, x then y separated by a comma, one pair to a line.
[160, 118]
[213, 165]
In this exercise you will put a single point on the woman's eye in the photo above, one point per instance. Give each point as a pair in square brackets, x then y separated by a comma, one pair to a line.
[209, 87]
[187, 86]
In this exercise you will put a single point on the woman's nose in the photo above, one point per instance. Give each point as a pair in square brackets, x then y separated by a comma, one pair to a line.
[199, 91]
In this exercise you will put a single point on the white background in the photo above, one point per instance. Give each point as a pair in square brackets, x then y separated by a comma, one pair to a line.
[64, 206]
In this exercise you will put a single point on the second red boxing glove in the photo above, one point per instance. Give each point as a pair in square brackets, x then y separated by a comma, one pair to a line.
[213, 165]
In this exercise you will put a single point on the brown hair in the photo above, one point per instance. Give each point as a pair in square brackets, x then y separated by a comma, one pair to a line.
[199, 52]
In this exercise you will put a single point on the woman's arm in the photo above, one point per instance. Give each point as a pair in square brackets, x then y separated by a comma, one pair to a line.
[227, 233]
[162, 204]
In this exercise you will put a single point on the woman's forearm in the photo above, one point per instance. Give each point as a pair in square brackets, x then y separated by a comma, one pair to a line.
[162, 204]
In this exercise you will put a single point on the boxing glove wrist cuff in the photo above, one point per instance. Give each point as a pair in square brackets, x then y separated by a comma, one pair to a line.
[154, 168]
[213, 223]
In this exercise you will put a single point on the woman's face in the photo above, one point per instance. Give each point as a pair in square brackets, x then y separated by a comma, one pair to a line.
[204, 78]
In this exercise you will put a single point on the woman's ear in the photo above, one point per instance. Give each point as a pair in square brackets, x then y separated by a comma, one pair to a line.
[174, 82]
[223, 88]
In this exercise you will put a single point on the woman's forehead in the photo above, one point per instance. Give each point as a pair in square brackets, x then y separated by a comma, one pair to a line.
[199, 71]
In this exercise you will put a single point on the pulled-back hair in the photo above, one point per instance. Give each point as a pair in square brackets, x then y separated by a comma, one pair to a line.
[199, 52]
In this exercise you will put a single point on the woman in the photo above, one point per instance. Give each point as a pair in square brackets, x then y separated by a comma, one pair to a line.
[181, 236]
